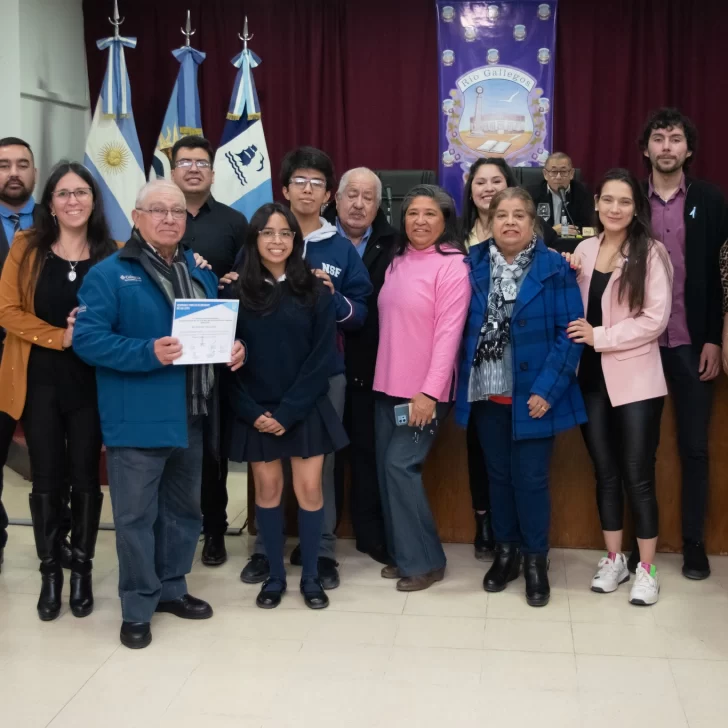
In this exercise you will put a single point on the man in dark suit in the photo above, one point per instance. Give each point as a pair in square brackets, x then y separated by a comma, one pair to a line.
[17, 181]
[360, 220]
[558, 173]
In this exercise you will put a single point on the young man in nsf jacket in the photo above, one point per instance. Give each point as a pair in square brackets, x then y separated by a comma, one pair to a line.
[307, 179]
[151, 412]
[689, 218]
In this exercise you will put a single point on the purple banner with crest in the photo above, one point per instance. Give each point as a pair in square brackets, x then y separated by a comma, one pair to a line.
[496, 84]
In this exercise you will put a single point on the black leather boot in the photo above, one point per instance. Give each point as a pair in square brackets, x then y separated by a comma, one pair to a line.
[86, 509]
[484, 542]
[536, 573]
[505, 568]
[45, 512]
[64, 531]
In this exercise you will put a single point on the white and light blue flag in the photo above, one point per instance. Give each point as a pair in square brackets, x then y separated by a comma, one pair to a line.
[242, 165]
[113, 154]
[183, 113]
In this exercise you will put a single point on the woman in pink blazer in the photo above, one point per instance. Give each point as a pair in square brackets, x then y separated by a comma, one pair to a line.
[626, 286]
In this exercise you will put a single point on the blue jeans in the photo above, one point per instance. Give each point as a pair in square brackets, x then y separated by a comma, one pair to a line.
[410, 528]
[518, 471]
[155, 497]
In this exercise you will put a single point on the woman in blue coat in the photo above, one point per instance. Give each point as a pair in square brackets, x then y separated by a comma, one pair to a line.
[518, 374]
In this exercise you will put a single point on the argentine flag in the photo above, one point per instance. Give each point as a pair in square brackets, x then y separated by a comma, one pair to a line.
[183, 113]
[242, 166]
[113, 155]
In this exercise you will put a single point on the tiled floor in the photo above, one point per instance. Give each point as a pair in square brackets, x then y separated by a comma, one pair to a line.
[449, 656]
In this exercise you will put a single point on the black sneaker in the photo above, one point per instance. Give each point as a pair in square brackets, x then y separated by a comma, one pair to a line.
[256, 570]
[328, 573]
[695, 562]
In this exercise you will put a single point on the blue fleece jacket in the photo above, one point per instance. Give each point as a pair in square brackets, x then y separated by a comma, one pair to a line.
[123, 311]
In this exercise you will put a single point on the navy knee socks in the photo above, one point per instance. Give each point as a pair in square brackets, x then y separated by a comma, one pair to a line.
[310, 525]
[270, 523]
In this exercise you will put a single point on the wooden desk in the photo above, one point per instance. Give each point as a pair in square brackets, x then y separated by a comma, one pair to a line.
[575, 522]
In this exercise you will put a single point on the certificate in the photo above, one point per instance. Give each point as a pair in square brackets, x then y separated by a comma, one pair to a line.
[205, 328]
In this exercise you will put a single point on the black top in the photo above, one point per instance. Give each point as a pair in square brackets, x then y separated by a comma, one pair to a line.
[217, 233]
[591, 375]
[579, 202]
[290, 356]
[55, 297]
[360, 345]
[706, 229]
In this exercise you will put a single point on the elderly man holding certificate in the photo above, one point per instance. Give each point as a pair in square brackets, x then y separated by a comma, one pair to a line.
[151, 413]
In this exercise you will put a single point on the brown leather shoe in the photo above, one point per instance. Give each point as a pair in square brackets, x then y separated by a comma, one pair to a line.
[423, 581]
[390, 572]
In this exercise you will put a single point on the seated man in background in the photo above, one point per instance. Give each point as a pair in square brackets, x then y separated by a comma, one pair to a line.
[359, 218]
[151, 413]
[558, 174]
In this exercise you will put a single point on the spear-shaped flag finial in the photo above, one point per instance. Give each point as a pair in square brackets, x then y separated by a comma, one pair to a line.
[117, 21]
[187, 31]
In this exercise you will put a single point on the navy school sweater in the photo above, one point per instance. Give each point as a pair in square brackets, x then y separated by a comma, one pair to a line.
[327, 250]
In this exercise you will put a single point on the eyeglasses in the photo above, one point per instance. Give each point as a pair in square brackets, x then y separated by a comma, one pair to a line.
[81, 194]
[159, 213]
[559, 172]
[301, 182]
[189, 163]
[285, 236]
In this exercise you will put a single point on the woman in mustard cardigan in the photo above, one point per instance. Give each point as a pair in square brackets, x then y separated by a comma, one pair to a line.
[44, 384]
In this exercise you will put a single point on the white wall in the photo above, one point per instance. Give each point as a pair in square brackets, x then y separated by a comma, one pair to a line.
[45, 83]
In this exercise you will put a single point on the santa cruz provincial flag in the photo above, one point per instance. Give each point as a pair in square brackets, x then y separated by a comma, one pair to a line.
[183, 112]
[113, 155]
[242, 166]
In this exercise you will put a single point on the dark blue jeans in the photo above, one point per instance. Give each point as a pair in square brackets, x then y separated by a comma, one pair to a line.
[155, 496]
[518, 471]
[409, 525]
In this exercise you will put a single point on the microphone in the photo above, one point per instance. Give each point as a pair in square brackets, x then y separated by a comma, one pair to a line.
[564, 206]
[388, 191]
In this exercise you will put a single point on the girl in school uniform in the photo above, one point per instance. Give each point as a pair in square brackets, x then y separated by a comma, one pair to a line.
[279, 397]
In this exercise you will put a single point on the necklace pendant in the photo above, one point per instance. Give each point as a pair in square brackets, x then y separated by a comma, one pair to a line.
[71, 275]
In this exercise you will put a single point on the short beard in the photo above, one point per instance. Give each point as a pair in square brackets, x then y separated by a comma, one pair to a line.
[19, 199]
[678, 166]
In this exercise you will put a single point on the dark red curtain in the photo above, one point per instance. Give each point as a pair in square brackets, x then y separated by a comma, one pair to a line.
[359, 78]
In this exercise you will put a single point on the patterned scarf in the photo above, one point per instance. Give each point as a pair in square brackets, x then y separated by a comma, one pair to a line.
[488, 375]
[177, 283]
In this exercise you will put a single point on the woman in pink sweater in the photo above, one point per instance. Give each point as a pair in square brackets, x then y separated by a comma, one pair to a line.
[422, 310]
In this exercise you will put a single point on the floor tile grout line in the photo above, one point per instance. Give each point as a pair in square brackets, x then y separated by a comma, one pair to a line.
[68, 702]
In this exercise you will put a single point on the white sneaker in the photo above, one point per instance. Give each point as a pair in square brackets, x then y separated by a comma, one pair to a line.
[610, 574]
[646, 589]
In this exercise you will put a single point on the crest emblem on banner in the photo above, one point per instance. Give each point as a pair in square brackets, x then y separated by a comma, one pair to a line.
[494, 111]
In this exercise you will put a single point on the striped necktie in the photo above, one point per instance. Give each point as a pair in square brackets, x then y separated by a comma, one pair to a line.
[15, 219]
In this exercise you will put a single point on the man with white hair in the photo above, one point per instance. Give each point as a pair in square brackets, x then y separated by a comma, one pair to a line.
[360, 220]
[151, 413]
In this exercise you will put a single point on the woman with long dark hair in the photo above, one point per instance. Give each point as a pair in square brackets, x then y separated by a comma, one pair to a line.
[422, 309]
[626, 286]
[45, 385]
[487, 177]
[279, 398]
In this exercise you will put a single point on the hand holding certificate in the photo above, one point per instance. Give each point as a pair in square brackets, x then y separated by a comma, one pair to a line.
[205, 328]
